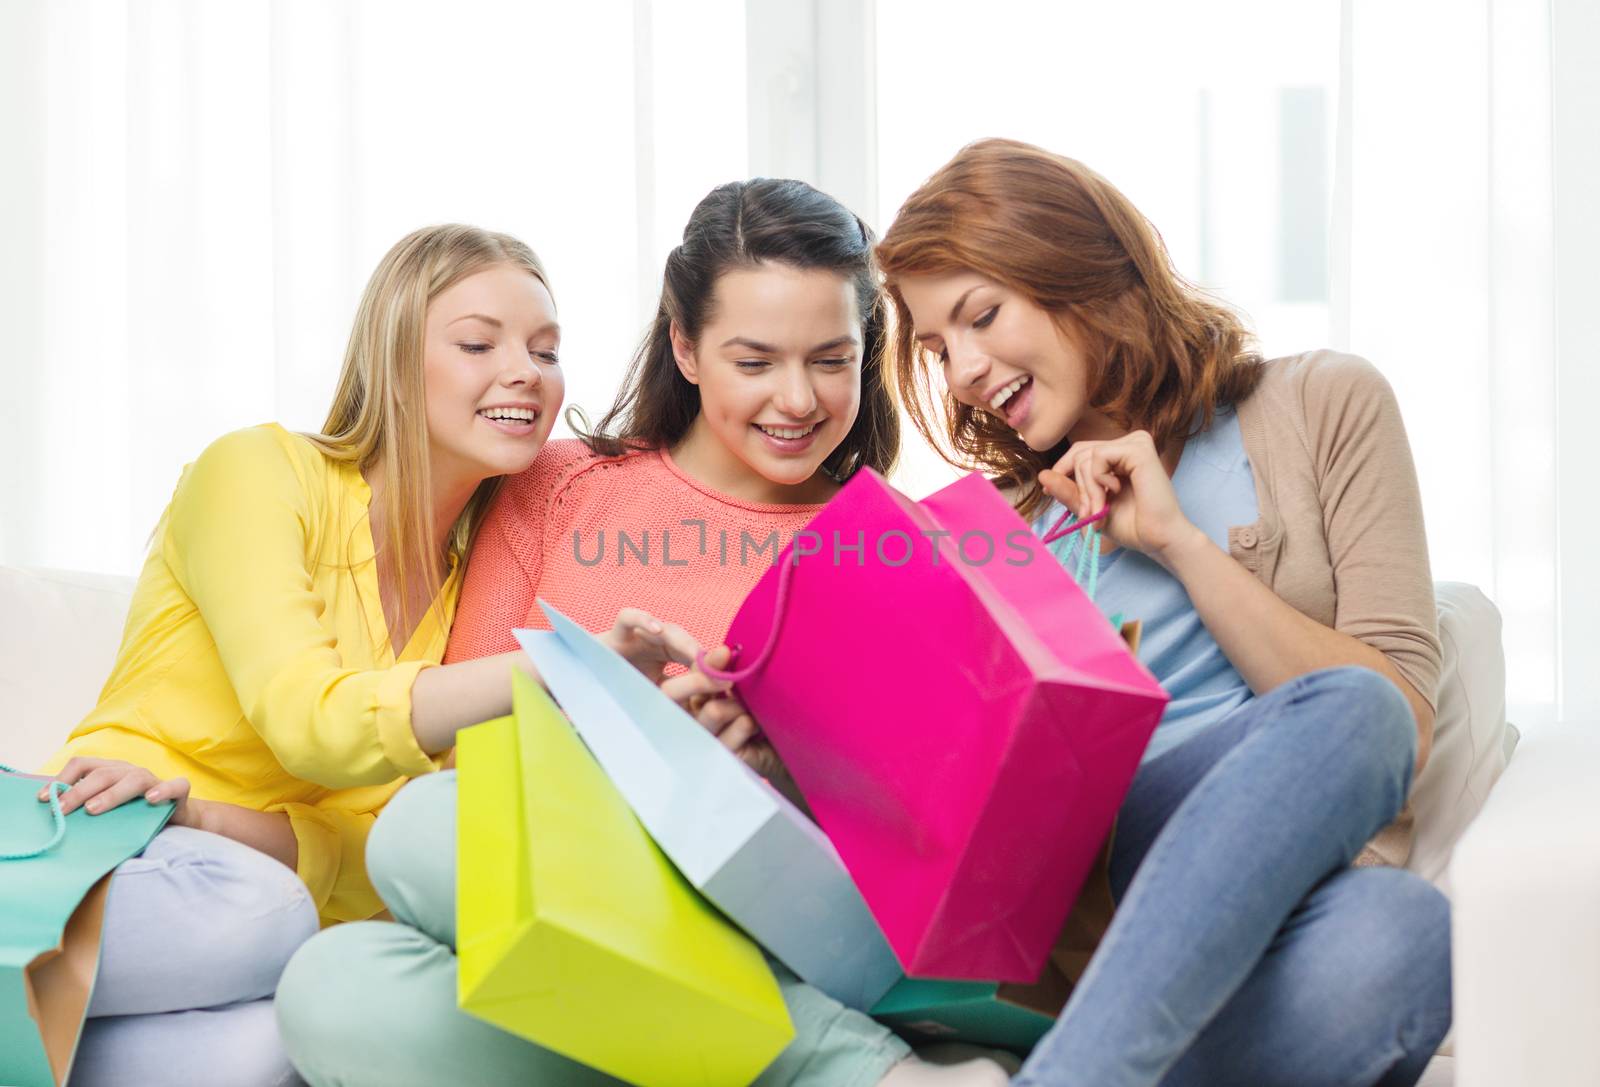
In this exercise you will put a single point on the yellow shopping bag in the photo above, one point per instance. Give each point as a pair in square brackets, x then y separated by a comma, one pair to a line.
[575, 932]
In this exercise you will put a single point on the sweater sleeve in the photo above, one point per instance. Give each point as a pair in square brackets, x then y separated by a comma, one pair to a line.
[237, 539]
[1372, 517]
[507, 558]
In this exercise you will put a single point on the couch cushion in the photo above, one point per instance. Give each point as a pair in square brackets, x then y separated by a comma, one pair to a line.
[1470, 731]
[59, 634]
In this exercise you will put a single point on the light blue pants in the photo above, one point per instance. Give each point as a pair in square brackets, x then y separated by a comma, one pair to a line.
[375, 1002]
[198, 929]
[1245, 950]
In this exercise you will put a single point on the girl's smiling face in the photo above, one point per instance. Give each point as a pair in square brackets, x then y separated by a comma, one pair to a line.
[1003, 354]
[778, 366]
[491, 373]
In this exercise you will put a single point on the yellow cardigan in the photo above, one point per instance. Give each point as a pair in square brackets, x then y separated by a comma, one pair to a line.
[256, 660]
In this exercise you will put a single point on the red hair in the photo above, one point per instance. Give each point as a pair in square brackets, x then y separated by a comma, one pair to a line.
[1163, 355]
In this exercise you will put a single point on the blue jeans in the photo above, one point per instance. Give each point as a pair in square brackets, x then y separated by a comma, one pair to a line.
[1245, 950]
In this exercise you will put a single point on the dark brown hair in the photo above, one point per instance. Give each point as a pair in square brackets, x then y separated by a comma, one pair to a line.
[1163, 355]
[745, 224]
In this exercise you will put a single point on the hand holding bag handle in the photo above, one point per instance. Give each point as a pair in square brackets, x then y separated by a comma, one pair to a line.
[60, 820]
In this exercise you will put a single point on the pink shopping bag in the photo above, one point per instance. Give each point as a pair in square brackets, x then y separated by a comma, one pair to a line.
[962, 720]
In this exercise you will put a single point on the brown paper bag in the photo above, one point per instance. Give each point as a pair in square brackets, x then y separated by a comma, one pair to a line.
[58, 982]
[1091, 914]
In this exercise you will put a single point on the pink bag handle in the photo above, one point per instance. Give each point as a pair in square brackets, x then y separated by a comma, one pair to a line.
[1056, 531]
[1086, 548]
[779, 607]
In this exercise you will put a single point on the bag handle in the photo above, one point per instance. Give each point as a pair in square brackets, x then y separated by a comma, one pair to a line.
[60, 820]
[779, 607]
[1088, 556]
[1057, 531]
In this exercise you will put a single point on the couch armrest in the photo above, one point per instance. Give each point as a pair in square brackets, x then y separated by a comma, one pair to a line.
[1526, 880]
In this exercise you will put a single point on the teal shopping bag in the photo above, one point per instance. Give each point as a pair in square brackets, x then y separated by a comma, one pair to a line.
[1007, 1016]
[53, 880]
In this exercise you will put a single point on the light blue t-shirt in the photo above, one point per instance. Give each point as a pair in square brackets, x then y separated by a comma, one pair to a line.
[1216, 489]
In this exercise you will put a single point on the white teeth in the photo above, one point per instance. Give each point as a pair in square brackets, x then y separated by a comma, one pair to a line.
[509, 415]
[997, 401]
[788, 432]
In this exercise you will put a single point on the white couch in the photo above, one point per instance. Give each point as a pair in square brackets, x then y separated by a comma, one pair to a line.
[1525, 877]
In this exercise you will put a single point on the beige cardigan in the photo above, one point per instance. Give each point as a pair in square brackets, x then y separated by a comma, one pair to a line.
[1340, 533]
[1339, 536]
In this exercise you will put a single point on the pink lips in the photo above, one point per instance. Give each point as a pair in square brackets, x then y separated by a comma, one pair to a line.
[789, 446]
[1016, 409]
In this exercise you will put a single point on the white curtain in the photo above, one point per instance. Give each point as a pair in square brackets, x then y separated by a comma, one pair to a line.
[193, 194]
[1443, 275]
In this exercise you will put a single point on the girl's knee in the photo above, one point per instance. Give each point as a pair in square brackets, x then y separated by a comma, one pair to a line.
[314, 994]
[260, 905]
[1402, 966]
[1374, 719]
[1416, 915]
[238, 913]
[366, 1002]
[413, 843]
[1399, 936]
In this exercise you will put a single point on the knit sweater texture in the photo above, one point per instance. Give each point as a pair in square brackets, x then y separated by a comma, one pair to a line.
[591, 535]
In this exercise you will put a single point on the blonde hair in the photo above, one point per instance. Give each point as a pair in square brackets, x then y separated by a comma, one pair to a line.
[379, 413]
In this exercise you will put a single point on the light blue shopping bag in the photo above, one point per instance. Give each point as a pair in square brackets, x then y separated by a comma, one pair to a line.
[733, 836]
[53, 880]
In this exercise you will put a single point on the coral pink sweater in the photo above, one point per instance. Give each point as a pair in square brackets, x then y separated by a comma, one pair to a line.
[592, 535]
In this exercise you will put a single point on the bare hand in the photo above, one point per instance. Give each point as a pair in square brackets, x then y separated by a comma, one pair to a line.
[649, 644]
[720, 712]
[98, 785]
[1094, 473]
